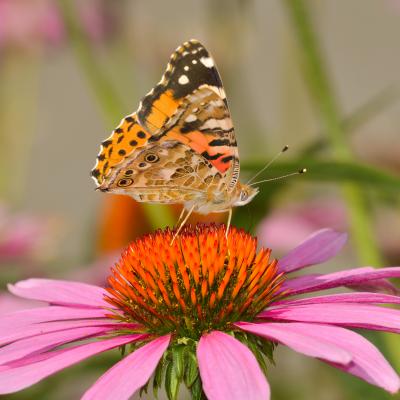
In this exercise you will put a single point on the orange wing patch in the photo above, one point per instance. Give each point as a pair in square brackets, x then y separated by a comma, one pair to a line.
[161, 110]
[124, 140]
[220, 156]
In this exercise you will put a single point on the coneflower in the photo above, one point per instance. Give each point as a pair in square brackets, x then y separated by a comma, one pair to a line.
[206, 312]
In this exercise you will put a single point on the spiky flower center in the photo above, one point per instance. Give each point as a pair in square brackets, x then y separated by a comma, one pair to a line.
[202, 281]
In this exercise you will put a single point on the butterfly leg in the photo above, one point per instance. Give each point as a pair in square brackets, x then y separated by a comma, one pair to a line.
[181, 215]
[182, 224]
[228, 225]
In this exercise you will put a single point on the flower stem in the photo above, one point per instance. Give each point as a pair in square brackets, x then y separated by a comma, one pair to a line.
[324, 99]
[18, 115]
[392, 344]
[108, 98]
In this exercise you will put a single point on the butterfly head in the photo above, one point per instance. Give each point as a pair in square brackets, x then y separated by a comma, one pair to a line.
[244, 194]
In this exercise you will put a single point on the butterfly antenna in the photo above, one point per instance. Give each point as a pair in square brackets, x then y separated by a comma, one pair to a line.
[301, 171]
[268, 164]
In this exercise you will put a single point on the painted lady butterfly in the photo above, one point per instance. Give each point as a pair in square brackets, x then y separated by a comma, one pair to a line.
[180, 145]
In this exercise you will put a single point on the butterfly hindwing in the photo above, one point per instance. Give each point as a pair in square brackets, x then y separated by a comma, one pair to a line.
[168, 172]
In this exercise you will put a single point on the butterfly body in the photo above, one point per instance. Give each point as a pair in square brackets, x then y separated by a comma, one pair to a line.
[180, 145]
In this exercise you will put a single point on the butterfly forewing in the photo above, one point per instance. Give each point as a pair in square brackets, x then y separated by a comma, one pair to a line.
[189, 105]
[190, 67]
[127, 138]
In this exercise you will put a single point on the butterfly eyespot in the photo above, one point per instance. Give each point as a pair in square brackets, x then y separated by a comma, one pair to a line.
[151, 158]
[128, 172]
[124, 182]
[142, 165]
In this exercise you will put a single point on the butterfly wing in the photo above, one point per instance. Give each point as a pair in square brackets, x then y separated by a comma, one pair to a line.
[189, 105]
[185, 116]
[168, 172]
[126, 140]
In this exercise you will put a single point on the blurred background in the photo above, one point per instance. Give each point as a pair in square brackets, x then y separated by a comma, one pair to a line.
[321, 76]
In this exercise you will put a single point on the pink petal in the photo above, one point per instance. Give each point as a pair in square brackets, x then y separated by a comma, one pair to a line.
[285, 227]
[283, 232]
[39, 329]
[369, 298]
[45, 342]
[367, 362]
[299, 340]
[18, 377]
[60, 292]
[127, 376]
[229, 370]
[378, 286]
[313, 283]
[316, 249]
[46, 314]
[9, 303]
[355, 315]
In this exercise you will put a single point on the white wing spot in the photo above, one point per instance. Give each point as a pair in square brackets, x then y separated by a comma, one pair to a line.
[225, 124]
[194, 61]
[183, 80]
[190, 118]
[186, 68]
[222, 92]
[207, 62]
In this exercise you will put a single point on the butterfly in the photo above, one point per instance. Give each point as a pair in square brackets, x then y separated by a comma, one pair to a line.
[180, 145]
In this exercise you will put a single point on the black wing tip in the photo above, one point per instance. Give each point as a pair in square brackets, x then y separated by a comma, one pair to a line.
[95, 173]
[191, 44]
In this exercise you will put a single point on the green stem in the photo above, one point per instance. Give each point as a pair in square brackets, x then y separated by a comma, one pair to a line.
[323, 96]
[324, 99]
[109, 100]
[392, 343]
[18, 114]
[363, 114]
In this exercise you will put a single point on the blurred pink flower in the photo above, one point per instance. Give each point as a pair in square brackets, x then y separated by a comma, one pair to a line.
[96, 18]
[192, 300]
[96, 272]
[26, 23]
[286, 226]
[29, 24]
[25, 237]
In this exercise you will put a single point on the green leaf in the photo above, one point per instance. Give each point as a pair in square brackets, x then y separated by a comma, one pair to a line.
[252, 345]
[144, 388]
[191, 369]
[332, 171]
[267, 348]
[171, 382]
[197, 390]
[178, 360]
[158, 376]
